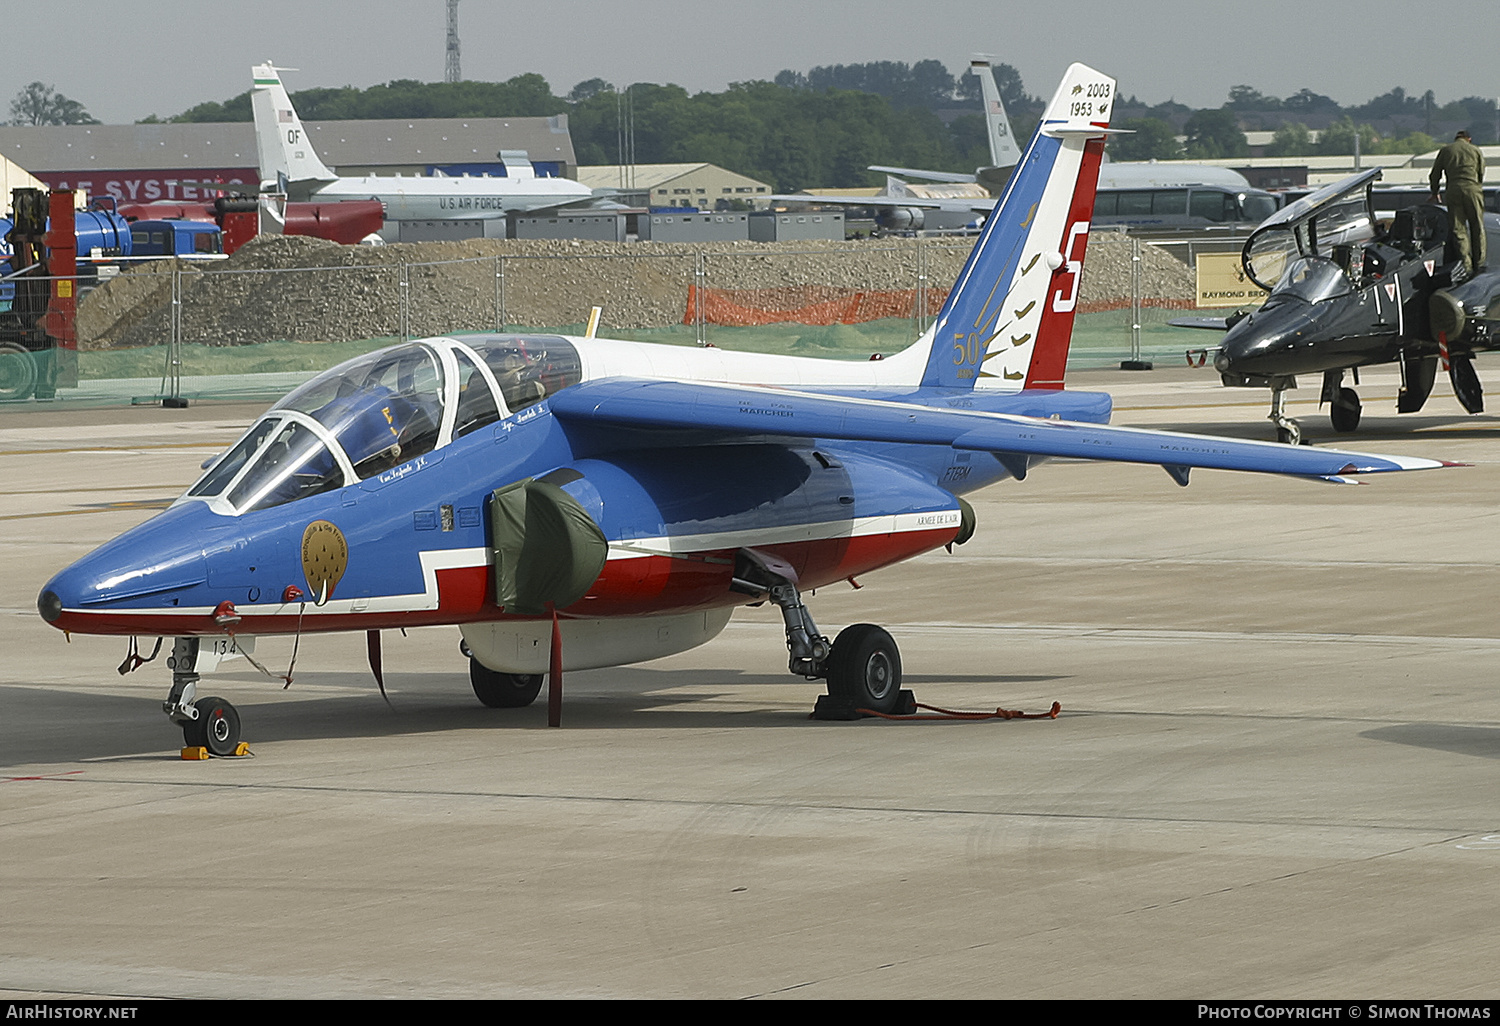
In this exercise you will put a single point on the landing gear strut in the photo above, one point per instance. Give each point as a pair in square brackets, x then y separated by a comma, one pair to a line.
[1287, 429]
[210, 723]
[862, 665]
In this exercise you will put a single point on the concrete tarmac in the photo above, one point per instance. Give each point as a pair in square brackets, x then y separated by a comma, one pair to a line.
[1274, 774]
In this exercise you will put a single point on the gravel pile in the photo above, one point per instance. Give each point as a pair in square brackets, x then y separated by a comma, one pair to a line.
[295, 287]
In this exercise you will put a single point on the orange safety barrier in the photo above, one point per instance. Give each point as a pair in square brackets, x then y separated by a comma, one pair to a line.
[805, 304]
[827, 304]
[1123, 303]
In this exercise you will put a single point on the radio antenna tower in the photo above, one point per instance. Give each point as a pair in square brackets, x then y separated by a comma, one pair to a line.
[451, 72]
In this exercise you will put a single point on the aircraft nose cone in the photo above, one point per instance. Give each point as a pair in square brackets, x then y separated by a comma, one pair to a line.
[148, 566]
[1263, 342]
[49, 605]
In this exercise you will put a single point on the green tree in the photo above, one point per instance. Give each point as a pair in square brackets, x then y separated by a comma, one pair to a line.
[1152, 139]
[1291, 140]
[1338, 138]
[39, 104]
[1242, 97]
[1413, 142]
[1305, 101]
[1214, 133]
[587, 88]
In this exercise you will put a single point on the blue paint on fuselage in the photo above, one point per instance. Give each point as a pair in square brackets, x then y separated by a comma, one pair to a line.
[191, 556]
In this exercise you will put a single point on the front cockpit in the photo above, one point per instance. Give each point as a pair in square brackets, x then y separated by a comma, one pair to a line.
[376, 412]
[1313, 279]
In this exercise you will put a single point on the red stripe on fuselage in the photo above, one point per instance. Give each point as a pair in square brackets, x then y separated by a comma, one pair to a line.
[638, 586]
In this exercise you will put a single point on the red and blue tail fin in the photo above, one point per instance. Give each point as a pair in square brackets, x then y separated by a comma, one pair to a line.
[1009, 318]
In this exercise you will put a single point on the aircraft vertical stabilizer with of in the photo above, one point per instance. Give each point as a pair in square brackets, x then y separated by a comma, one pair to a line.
[569, 503]
[289, 164]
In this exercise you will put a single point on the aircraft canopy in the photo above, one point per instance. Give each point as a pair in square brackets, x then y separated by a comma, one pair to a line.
[375, 412]
[1336, 215]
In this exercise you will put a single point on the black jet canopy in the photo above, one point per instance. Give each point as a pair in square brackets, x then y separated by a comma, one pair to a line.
[1340, 214]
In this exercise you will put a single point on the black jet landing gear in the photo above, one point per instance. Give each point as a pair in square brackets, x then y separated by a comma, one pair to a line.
[1344, 406]
[207, 723]
[1287, 429]
[862, 665]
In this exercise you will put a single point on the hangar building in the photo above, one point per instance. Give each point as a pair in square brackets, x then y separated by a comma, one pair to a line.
[149, 162]
[701, 186]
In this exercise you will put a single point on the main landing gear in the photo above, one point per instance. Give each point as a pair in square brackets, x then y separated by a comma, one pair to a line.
[210, 723]
[1344, 406]
[862, 665]
[501, 690]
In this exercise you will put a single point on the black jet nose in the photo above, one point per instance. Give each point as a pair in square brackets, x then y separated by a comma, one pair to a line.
[1266, 342]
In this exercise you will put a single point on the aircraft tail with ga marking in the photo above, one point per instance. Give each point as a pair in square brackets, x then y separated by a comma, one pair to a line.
[281, 142]
[1008, 321]
[1003, 151]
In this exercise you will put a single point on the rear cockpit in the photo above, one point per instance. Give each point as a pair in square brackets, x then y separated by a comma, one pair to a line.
[379, 411]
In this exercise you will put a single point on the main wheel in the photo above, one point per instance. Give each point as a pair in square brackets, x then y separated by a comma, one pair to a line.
[865, 667]
[503, 690]
[217, 727]
[1345, 410]
[17, 371]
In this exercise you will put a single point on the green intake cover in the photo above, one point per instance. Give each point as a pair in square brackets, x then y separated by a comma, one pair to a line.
[548, 550]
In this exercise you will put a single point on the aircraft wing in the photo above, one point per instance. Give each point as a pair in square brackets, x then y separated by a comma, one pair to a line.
[756, 411]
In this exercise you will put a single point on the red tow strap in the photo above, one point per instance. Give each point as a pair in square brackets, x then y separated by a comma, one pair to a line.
[950, 714]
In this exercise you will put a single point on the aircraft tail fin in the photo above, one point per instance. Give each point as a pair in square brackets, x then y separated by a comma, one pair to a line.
[280, 140]
[1009, 318]
[1003, 149]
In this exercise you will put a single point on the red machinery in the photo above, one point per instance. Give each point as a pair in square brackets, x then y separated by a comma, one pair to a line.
[346, 222]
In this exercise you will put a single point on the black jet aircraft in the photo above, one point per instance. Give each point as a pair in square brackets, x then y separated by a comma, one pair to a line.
[1348, 291]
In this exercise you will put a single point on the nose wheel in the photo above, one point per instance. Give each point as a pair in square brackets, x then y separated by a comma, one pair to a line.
[210, 723]
[217, 727]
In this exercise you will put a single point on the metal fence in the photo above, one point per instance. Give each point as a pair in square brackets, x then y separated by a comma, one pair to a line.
[174, 330]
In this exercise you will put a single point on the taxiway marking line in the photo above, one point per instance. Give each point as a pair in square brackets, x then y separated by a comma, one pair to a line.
[112, 507]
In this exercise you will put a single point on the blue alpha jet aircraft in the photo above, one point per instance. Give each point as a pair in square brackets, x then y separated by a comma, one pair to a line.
[571, 503]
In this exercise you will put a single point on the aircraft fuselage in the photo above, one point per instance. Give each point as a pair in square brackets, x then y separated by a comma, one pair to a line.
[674, 518]
[438, 198]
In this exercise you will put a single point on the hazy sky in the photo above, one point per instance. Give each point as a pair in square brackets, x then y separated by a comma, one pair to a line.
[127, 58]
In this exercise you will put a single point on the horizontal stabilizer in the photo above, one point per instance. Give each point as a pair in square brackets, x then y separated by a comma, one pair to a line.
[1204, 323]
[931, 176]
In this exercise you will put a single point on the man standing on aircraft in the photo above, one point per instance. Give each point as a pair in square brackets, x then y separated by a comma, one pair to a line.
[1463, 162]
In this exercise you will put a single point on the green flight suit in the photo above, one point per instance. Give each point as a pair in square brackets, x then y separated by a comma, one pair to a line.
[1463, 163]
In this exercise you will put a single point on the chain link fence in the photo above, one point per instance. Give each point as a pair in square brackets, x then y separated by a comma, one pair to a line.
[175, 330]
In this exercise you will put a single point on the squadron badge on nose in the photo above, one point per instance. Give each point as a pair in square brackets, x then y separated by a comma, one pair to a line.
[325, 556]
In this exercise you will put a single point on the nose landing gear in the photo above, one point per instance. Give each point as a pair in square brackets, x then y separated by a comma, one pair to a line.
[207, 723]
[1287, 429]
